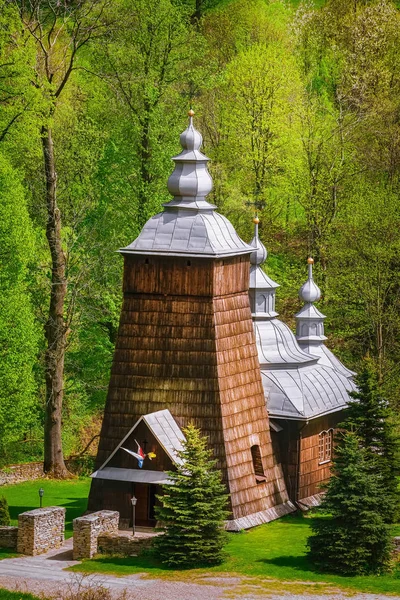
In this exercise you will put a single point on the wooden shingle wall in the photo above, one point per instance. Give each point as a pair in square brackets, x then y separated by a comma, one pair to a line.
[186, 343]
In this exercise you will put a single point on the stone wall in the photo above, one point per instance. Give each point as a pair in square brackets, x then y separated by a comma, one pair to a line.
[8, 537]
[18, 473]
[40, 530]
[112, 543]
[88, 528]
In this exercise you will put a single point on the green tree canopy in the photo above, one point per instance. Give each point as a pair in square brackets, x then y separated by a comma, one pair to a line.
[18, 338]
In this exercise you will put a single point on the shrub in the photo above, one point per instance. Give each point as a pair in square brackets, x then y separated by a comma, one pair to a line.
[4, 512]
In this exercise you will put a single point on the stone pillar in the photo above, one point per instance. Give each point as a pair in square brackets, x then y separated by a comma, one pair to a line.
[41, 530]
[88, 528]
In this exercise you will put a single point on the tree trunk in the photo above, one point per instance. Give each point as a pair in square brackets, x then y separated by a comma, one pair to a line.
[144, 156]
[54, 329]
[197, 13]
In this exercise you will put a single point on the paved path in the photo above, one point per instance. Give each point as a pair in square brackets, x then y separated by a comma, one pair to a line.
[45, 574]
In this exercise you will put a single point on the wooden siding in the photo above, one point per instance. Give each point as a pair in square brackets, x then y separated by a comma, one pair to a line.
[312, 473]
[186, 343]
[303, 475]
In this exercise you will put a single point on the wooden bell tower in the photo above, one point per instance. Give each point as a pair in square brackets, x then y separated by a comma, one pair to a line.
[186, 343]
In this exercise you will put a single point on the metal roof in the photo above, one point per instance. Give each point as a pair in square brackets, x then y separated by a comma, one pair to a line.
[306, 392]
[277, 345]
[164, 428]
[133, 475]
[189, 225]
[310, 327]
[260, 280]
[302, 379]
[326, 357]
[188, 233]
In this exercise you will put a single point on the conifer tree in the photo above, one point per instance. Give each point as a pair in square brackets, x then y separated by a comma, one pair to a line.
[371, 419]
[351, 537]
[193, 509]
[4, 512]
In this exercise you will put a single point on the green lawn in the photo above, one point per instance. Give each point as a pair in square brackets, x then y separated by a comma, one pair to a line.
[274, 551]
[6, 553]
[6, 595]
[72, 494]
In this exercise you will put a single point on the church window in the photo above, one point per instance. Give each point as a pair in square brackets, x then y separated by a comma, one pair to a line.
[328, 444]
[257, 464]
[325, 444]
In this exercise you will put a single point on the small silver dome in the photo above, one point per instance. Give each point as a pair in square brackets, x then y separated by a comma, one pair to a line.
[310, 292]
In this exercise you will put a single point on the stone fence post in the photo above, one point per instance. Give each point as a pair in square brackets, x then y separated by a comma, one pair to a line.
[88, 528]
[41, 530]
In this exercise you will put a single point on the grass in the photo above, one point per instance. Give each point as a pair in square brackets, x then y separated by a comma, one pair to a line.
[72, 494]
[274, 552]
[6, 553]
[6, 595]
[270, 557]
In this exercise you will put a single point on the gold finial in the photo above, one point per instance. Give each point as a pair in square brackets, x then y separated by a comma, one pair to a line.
[191, 113]
[256, 220]
[310, 261]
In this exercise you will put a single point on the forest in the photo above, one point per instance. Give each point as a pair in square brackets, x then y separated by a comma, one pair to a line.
[299, 107]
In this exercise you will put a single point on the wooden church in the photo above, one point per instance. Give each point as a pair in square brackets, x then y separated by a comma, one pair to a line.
[199, 342]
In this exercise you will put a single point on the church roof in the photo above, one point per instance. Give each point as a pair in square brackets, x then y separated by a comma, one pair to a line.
[277, 345]
[259, 279]
[327, 358]
[188, 233]
[301, 381]
[164, 428]
[306, 392]
[189, 225]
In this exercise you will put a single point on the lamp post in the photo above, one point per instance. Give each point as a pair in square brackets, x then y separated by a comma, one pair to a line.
[41, 494]
[133, 500]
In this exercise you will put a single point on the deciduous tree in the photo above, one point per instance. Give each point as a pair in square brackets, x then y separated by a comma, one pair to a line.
[59, 31]
[18, 336]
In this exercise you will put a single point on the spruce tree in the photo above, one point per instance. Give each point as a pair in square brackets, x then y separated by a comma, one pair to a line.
[4, 512]
[351, 537]
[369, 415]
[193, 509]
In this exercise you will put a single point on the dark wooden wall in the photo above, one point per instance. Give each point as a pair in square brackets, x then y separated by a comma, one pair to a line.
[186, 343]
[312, 474]
[304, 474]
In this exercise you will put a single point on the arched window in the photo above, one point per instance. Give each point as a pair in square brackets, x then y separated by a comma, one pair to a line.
[325, 444]
[257, 464]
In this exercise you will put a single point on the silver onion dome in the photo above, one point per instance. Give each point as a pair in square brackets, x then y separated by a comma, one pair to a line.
[310, 292]
[189, 225]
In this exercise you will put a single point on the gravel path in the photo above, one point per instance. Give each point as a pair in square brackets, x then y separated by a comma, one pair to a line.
[45, 575]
